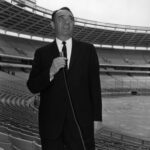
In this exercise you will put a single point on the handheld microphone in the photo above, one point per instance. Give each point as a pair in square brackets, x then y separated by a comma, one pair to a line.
[61, 54]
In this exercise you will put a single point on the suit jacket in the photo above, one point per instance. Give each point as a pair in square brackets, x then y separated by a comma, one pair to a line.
[84, 86]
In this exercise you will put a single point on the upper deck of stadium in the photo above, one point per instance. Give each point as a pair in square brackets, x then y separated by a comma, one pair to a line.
[26, 18]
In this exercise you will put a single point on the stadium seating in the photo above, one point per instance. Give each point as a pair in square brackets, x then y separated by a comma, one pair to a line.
[4, 141]
[24, 47]
[110, 139]
[18, 120]
[22, 128]
[18, 46]
[5, 146]
[4, 137]
[109, 56]
[21, 143]
[125, 57]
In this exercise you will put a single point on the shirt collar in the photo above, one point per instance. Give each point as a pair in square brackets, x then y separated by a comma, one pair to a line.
[59, 42]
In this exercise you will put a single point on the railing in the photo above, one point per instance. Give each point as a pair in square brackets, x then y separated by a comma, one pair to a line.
[109, 139]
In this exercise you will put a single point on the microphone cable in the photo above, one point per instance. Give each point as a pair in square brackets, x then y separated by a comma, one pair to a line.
[72, 108]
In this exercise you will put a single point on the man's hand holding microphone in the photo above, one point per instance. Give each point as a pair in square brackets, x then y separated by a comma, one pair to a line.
[57, 64]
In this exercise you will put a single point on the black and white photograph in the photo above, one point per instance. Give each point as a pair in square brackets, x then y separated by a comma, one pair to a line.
[75, 75]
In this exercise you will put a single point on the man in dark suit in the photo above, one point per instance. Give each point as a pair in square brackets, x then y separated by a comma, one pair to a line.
[70, 108]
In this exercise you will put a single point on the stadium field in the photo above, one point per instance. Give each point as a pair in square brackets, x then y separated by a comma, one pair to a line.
[129, 114]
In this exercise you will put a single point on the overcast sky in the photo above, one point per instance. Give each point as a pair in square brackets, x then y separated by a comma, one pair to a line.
[126, 12]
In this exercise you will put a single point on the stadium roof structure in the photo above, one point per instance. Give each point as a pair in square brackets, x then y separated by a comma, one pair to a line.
[24, 18]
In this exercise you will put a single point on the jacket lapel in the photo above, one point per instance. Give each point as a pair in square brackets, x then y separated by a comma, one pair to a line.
[55, 49]
[74, 54]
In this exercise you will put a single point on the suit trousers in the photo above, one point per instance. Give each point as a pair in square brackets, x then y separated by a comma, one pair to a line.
[70, 139]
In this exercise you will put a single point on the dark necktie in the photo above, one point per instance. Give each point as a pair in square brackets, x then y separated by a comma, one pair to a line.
[64, 50]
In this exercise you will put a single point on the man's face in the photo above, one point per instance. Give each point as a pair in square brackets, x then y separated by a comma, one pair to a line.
[63, 24]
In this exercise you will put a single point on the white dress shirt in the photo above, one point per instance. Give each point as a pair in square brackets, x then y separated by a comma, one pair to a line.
[68, 47]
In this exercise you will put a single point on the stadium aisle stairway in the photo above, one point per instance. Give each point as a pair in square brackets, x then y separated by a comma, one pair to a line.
[18, 121]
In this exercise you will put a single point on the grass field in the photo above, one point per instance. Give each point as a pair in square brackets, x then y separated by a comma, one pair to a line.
[129, 114]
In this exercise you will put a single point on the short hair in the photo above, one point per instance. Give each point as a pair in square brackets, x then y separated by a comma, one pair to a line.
[63, 8]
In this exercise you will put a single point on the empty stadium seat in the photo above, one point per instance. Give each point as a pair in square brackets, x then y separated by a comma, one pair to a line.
[5, 146]
[37, 146]
[19, 46]
[21, 144]
[4, 137]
